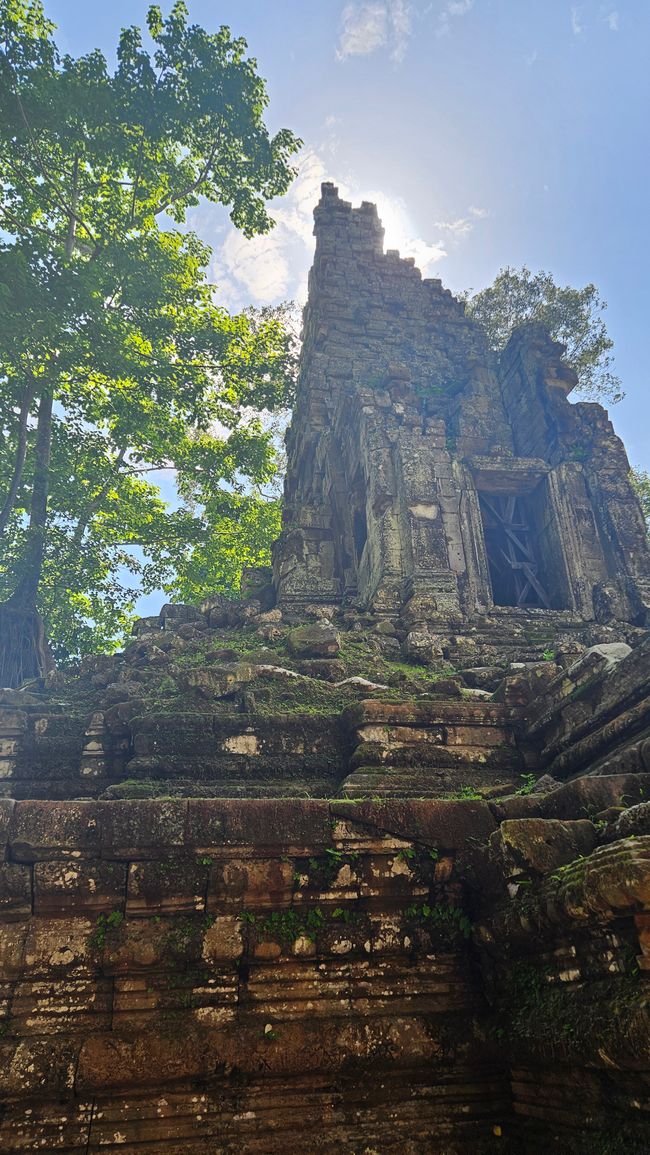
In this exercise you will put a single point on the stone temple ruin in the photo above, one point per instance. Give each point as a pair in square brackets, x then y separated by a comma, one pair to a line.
[429, 483]
[359, 863]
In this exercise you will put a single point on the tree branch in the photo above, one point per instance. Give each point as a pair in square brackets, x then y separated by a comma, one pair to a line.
[96, 502]
[172, 200]
[72, 227]
[24, 596]
[69, 212]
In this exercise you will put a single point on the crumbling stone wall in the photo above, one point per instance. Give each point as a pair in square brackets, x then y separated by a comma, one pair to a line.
[194, 976]
[190, 976]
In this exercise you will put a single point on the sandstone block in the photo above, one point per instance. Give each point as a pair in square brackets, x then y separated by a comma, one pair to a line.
[216, 824]
[41, 830]
[138, 828]
[539, 845]
[59, 946]
[223, 940]
[634, 821]
[421, 647]
[78, 886]
[446, 825]
[319, 640]
[167, 886]
[15, 890]
[252, 883]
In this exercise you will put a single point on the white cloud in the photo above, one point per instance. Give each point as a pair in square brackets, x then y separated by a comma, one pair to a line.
[258, 265]
[365, 27]
[576, 26]
[451, 10]
[272, 267]
[462, 226]
[399, 13]
[613, 20]
[399, 231]
[458, 228]
[267, 269]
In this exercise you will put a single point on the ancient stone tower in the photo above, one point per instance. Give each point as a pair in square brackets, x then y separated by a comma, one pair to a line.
[358, 863]
[429, 482]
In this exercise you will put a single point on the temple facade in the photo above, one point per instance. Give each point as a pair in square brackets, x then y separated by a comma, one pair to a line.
[429, 479]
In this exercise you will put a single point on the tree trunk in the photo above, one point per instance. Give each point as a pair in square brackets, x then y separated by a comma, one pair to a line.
[23, 648]
[21, 453]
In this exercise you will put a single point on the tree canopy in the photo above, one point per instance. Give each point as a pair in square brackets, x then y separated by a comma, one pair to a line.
[640, 479]
[116, 359]
[573, 316]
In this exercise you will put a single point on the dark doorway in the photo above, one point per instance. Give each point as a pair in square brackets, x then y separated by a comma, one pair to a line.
[358, 510]
[510, 540]
[360, 530]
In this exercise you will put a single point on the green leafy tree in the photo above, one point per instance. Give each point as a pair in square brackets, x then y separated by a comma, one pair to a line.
[115, 359]
[640, 479]
[573, 316]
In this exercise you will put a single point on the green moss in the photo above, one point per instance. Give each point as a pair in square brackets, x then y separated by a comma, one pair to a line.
[571, 1019]
[275, 696]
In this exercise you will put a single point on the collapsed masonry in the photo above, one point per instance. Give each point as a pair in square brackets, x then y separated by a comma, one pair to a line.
[360, 863]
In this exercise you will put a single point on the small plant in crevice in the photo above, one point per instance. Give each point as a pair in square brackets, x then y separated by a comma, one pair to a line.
[527, 784]
[406, 854]
[450, 920]
[464, 794]
[106, 923]
[181, 936]
[323, 870]
[345, 915]
[284, 926]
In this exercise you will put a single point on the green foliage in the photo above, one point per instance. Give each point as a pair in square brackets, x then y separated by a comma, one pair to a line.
[640, 481]
[527, 784]
[406, 854]
[450, 920]
[323, 870]
[236, 531]
[285, 926]
[465, 794]
[103, 927]
[116, 362]
[573, 316]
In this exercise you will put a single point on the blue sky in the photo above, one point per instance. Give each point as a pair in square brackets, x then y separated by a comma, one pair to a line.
[491, 132]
